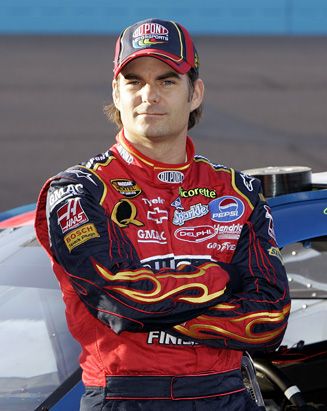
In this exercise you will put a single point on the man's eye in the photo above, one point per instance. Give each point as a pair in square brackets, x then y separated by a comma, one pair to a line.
[133, 82]
[168, 82]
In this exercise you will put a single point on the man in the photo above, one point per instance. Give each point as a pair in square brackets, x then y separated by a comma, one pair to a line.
[168, 263]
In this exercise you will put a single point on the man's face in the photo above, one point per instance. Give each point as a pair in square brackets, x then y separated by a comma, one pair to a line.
[154, 100]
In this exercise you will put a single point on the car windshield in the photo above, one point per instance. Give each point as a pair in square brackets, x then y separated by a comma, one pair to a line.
[38, 353]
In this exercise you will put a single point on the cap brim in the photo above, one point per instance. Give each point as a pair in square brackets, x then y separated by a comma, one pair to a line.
[181, 66]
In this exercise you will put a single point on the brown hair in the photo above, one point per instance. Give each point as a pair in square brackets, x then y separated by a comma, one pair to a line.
[113, 114]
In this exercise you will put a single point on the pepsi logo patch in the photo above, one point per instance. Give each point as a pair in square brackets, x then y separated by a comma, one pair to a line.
[226, 209]
[71, 215]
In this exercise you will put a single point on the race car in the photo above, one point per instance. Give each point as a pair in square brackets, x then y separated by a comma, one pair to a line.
[39, 369]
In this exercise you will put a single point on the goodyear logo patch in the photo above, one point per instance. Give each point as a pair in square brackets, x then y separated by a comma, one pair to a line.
[128, 188]
[80, 236]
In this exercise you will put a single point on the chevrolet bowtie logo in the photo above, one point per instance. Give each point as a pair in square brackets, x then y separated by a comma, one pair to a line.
[157, 215]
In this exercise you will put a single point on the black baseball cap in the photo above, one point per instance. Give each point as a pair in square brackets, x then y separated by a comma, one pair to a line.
[163, 39]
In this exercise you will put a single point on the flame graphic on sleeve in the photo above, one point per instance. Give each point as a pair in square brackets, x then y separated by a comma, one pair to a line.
[144, 286]
[207, 327]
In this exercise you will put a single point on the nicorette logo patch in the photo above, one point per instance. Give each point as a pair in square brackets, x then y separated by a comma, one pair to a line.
[172, 177]
[226, 209]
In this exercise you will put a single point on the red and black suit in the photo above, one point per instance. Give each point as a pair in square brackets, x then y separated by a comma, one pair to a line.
[168, 273]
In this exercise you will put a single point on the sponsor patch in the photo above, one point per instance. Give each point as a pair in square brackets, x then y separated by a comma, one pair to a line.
[83, 174]
[125, 155]
[226, 246]
[248, 181]
[127, 188]
[63, 193]
[195, 234]
[151, 236]
[71, 215]
[124, 213]
[150, 34]
[153, 201]
[198, 191]
[100, 159]
[80, 236]
[231, 232]
[275, 252]
[271, 230]
[195, 211]
[157, 215]
[164, 338]
[226, 209]
[172, 177]
[177, 204]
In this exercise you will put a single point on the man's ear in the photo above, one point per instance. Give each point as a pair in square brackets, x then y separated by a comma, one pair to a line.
[198, 94]
[115, 93]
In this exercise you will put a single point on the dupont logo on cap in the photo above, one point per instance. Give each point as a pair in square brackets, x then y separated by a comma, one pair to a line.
[165, 40]
[149, 34]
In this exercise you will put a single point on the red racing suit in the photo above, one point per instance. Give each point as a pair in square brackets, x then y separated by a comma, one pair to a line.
[165, 269]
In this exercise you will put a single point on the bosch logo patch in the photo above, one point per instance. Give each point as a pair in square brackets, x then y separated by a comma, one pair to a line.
[226, 209]
[172, 177]
[195, 234]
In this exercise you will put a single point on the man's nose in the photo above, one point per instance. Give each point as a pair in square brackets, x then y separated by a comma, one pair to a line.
[150, 93]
